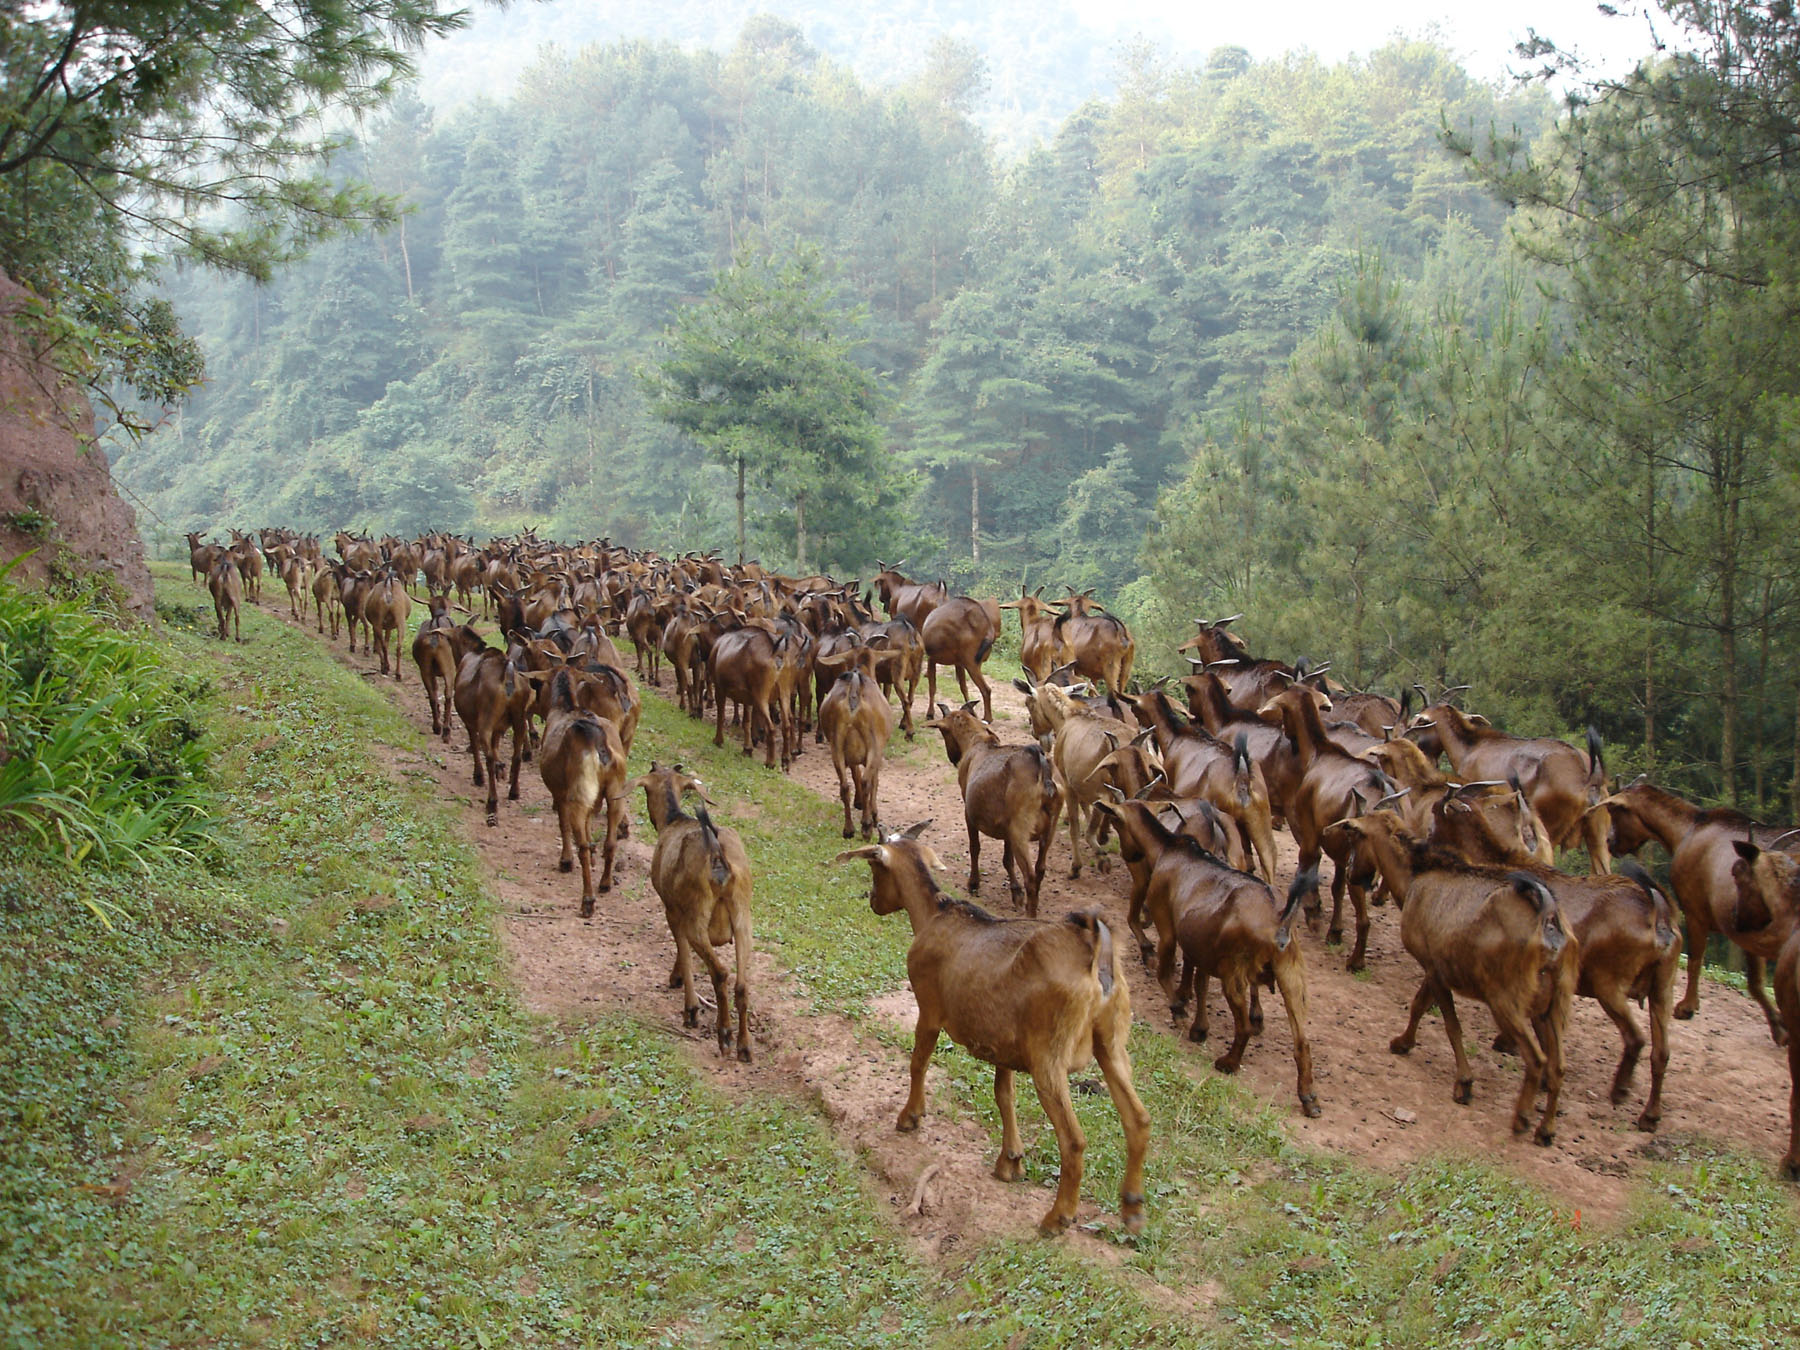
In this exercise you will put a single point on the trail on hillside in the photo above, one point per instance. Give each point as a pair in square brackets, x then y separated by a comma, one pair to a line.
[1727, 1081]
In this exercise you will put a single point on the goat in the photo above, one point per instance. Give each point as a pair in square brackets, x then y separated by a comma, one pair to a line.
[437, 652]
[1040, 649]
[1768, 886]
[960, 632]
[1332, 784]
[491, 697]
[293, 577]
[645, 630]
[702, 875]
[1195, 819]
[899, 661]
[909, 600]
[1557, 784]
[227, 587]
[327, 596]
[384, 607]
[1200, 765]
[1701, 858]
[1269, 744]
[1624, 930]
[1009, 793]
[1025, 995]
[1100, 646]
[1491, 933]
[582, 761]
[1084, 741]
[746, 665]
[857, 720]
[201, 556]
[249, 561]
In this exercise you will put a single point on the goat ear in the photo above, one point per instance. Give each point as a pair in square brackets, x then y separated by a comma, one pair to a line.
[869, 851]
[1747, 851]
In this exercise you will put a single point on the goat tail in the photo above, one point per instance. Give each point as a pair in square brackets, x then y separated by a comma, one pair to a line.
[1302, 886]
[1664, 911]
[1596, 758]
[715, 855]
[507, 681]
[1556, 932]
[981, 652]
[1105, 958]
[1240, 765]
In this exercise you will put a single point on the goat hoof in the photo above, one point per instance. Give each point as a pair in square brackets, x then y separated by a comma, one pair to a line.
[1054, 1223]
[1309, 1107]
[1131, 1212]
[1104, 863]
[1075, 871]
[906, 1124]
[1400, 1046]
[1684, 1012]
[587, 909]
[849, 832]
[1147, 950]
[674, 981]
[1334, 937]
[1620, 1093]
[1463, 1093]
[1544, 1138]
[493, 818]
[512, 794]
[690, 1017]
[743, 1054]
[1356, 964]
[1225, 1064]
[1779, 1033]
[1648, 1123]
[1503, 1046]
[565, 865]
[1792, 1168]
[1198, 1035]
[1007, 1168]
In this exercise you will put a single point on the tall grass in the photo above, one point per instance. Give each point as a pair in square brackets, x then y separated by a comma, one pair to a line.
[100, 752]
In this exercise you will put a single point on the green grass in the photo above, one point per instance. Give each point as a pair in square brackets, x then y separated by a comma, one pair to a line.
[339, 1127]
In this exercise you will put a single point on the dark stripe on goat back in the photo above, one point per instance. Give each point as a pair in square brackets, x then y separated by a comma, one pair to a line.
[968, 909]
[709, 837]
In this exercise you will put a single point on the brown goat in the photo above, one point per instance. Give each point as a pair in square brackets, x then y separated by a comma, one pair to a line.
[857, 720]
[1332, 784]
[1040, 649]
[1009, 793]
[227, 587]
[960, 632]
[1769, 898]
[384, 607]
[1026, 996]
[746, 667]
[1557, 784]
[1490, 933]
[492, 696]
[909, 600]
[327, 596]
[202, 556]
[582, 761]
[702, 875]
[1099, 645]
[1084, 742]
[1195, 819]
[1198, 764]
[1701, 858]
[1624, 930]
[438, 652]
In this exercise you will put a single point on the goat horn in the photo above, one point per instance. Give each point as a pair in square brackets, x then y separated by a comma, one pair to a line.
[1457, 689]
[1780, 839]
[1115, 789]
[1195, 662]
[1229, 618]
[1228, 661]
[1478, 783]
[914, 831]
[1391, 797]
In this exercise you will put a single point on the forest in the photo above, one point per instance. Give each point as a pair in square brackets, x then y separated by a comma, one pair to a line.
[1445, 382]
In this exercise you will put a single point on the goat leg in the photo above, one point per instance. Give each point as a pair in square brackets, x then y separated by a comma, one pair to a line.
[1697, 931]
[1421, 1001]
[1052, 1084]
[1464, 1089]
[1115, 1067]
[925, 1036]
[1290, 979]
[1753, 976]
[1235, 987]
[1011, 1164]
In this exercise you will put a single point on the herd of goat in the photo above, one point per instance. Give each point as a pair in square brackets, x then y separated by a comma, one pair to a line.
[1193, 790]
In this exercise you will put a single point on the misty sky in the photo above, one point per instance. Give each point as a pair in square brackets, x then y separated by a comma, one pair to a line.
[1483, 35]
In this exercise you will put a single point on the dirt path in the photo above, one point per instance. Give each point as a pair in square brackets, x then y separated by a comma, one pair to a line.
[1726, 1081]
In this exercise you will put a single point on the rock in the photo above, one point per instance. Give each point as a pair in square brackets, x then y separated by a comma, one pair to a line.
[56, 489]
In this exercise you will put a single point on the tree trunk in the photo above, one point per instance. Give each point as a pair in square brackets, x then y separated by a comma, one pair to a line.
[406, 259]
[974, 514]
[1794, 784]
[1759, 750]
[740, 510]
[800, 534]
[1728, 697]
[1649, 616]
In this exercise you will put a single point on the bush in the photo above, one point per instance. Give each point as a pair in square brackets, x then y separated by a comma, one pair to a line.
[100, 752]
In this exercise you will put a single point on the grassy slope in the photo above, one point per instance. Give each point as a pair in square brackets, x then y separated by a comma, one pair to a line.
[340, 1127]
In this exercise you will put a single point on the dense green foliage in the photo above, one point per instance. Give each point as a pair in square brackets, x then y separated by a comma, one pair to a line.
[1050, 333]
[762, 375]
[100, 754]
[133, 130]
